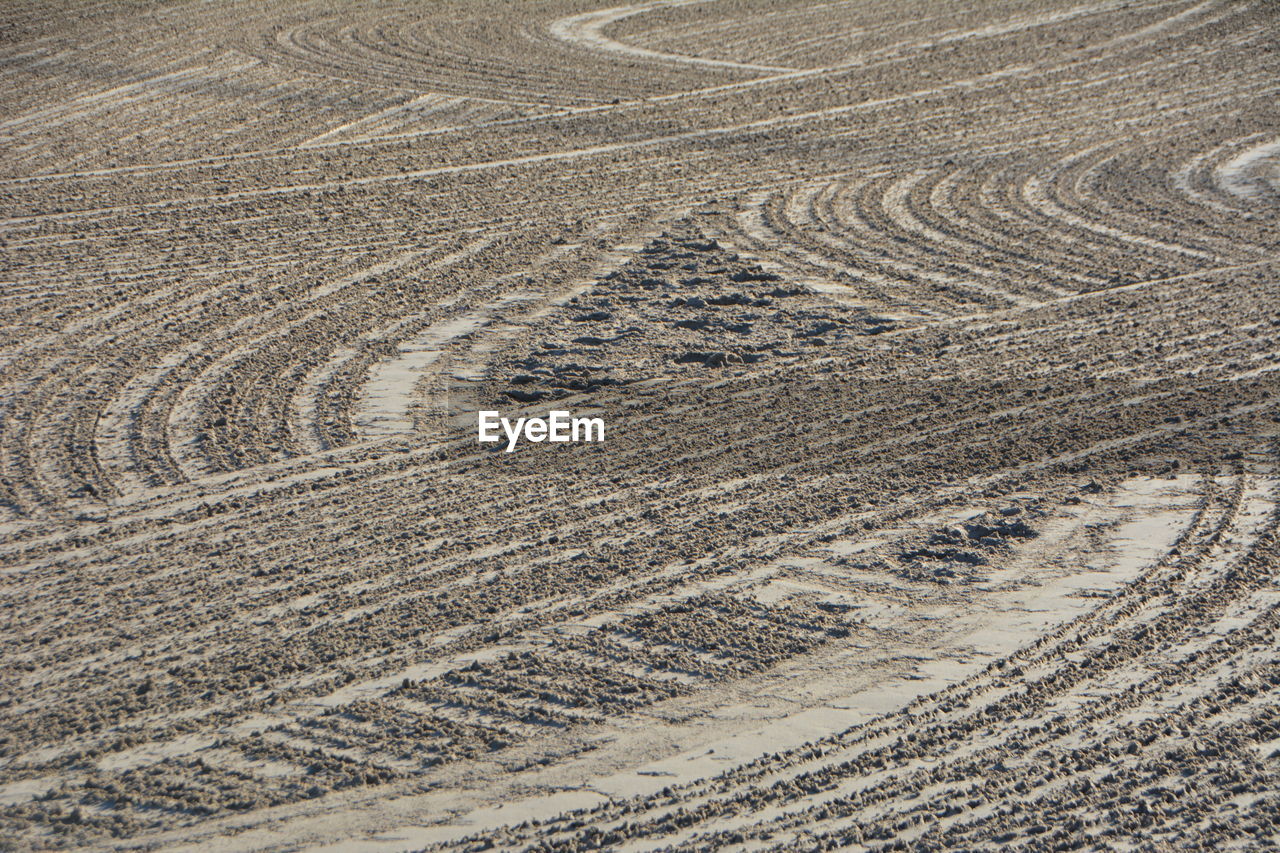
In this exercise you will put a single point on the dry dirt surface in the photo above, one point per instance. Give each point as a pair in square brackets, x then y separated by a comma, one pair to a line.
[938, 348]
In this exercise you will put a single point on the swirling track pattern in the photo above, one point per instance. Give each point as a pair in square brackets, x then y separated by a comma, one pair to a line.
[938, 349]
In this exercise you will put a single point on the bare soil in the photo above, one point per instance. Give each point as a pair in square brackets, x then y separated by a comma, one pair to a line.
[938, 350]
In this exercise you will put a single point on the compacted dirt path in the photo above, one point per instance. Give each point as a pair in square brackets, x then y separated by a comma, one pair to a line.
[938, 352]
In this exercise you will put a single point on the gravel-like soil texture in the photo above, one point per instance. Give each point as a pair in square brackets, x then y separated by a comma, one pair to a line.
[938, 348]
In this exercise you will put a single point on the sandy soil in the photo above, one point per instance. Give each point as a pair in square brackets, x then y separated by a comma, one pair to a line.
[939, 352]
